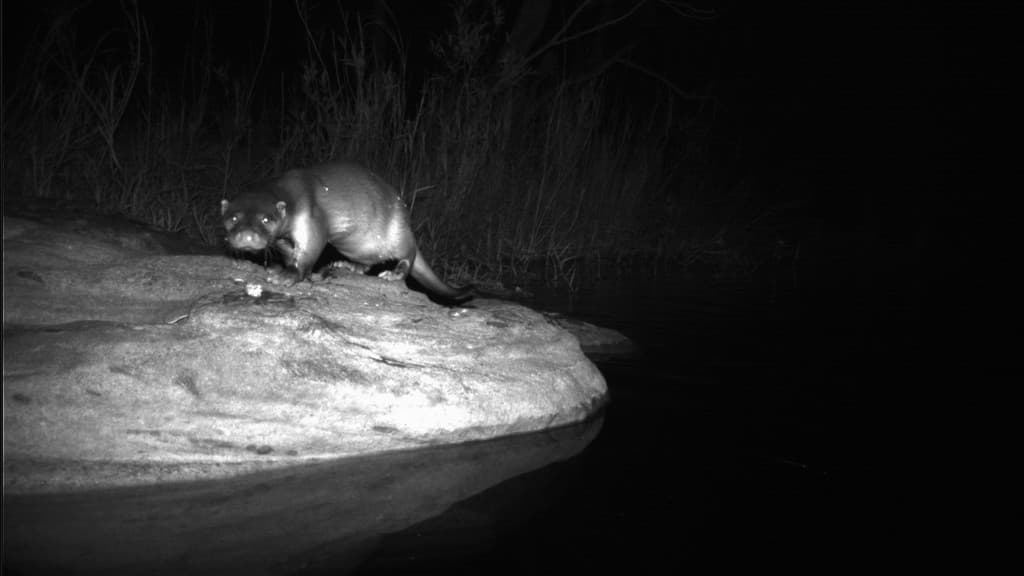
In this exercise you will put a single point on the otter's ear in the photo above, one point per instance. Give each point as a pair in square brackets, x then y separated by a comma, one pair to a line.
[282, 209]
[224, 207]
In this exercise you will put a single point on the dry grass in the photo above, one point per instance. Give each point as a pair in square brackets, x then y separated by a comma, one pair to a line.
[506, 179]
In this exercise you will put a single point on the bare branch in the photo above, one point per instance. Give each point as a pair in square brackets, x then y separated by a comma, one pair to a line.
[603, 25]
[684, 94]
[560, 37]
[687, 10]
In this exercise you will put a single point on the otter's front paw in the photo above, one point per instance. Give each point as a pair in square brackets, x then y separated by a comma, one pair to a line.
[284, 277]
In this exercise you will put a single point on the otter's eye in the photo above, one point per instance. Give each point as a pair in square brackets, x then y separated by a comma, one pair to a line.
[265, 220]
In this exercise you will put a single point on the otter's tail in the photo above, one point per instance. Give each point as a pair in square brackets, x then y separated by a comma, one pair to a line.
[422, 273]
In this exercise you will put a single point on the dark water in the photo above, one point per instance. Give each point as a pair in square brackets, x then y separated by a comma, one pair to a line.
[753, 428]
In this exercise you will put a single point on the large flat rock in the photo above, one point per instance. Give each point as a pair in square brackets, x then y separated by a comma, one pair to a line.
[124, 365]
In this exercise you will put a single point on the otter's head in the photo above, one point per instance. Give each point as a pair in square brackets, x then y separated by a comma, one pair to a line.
[253, 223]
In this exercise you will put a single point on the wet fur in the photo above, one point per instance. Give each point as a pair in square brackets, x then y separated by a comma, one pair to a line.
[343, 204]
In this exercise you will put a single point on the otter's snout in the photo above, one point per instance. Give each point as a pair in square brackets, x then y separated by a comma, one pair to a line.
[247, 240]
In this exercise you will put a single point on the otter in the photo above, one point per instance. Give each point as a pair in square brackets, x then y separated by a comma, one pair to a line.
[342, 203]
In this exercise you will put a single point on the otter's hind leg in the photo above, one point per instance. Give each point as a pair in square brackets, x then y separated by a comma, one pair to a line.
[399, 272]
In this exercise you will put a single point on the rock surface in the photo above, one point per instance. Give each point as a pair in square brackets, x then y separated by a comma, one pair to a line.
[597, 341]
[124, 365]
